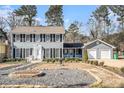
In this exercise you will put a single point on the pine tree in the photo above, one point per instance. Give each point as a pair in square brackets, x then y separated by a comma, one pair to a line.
[54, 15]
[28, 11]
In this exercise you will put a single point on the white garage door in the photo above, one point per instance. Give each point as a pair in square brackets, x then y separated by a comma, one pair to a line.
[105, 54]
[92, 54]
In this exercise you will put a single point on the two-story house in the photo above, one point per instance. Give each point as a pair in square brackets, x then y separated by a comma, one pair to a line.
[38, 42]
[48, 42]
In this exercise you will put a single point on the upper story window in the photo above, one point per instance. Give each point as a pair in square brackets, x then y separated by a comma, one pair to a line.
[57, 38]
[27, 38]
[37, 38]
[17, 38]
[47, 38]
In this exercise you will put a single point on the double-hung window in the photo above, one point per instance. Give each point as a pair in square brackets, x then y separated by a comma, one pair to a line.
[17, 38]
[17, 54]
[27, 38]
[47, 38]
[37, 38]
[57, 38]
[57, 53]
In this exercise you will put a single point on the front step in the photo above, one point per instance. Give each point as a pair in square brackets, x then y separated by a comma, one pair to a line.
[36, 61]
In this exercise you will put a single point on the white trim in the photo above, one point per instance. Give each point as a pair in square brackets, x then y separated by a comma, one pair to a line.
[100, 41]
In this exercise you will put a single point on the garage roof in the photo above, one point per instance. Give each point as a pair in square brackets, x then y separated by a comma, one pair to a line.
[99, 41]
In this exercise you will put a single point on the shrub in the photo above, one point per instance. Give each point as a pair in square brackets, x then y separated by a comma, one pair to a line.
[61, 61]
[57, 60]
[67, 59]
[13, 59]
[48, 60]
[122, 69]
[101, 64]
[77, 59]
[95, 63]
[92, 62]
[85, 56]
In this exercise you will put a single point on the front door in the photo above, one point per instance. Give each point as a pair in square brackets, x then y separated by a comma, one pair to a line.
[38, 52]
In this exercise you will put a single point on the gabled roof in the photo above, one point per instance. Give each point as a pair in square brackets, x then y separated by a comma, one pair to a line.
[99, 41]
[39, 30]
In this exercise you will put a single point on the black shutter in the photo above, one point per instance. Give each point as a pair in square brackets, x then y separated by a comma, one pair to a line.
[61, 53]
[54, 52]
[40, 37]
[54, 37]
[13, 37]
[24, 53]
[24, 37]
[51, 53]
[34, 37]
[44, 53]
[20, 37]
[30, 37]
[21, 53]
[13, 52]
[60, 37]
[50, 37]
[44, 37]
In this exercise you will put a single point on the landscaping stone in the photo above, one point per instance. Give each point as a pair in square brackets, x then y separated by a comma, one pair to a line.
[53, 78]
[24, 74]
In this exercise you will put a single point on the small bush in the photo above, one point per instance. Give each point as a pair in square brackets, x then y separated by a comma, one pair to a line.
[95, 63]
[91, 62]
[122, 69]
[48, 60]
[66, 59]
[101, 64]
[53, 60]
[61, 61]
[85, 56]
[77, 59]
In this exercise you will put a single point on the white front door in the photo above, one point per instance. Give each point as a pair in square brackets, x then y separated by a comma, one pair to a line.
[38, 52]
[92, 54]
[105, 54]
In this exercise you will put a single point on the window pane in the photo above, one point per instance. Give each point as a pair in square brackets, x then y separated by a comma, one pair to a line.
[57, 38]
[46, 53]
[17, 53]
[37, 38]
[27, 52]
[27, 38]
[57, 53]
[47, 38]
[17, 38]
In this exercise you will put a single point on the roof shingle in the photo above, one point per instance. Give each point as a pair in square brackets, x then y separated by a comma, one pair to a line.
[39, 30]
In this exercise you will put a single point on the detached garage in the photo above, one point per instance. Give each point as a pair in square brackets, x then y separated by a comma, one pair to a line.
[99, 49]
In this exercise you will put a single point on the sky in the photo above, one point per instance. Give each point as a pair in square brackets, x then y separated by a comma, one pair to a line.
[71, 13]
